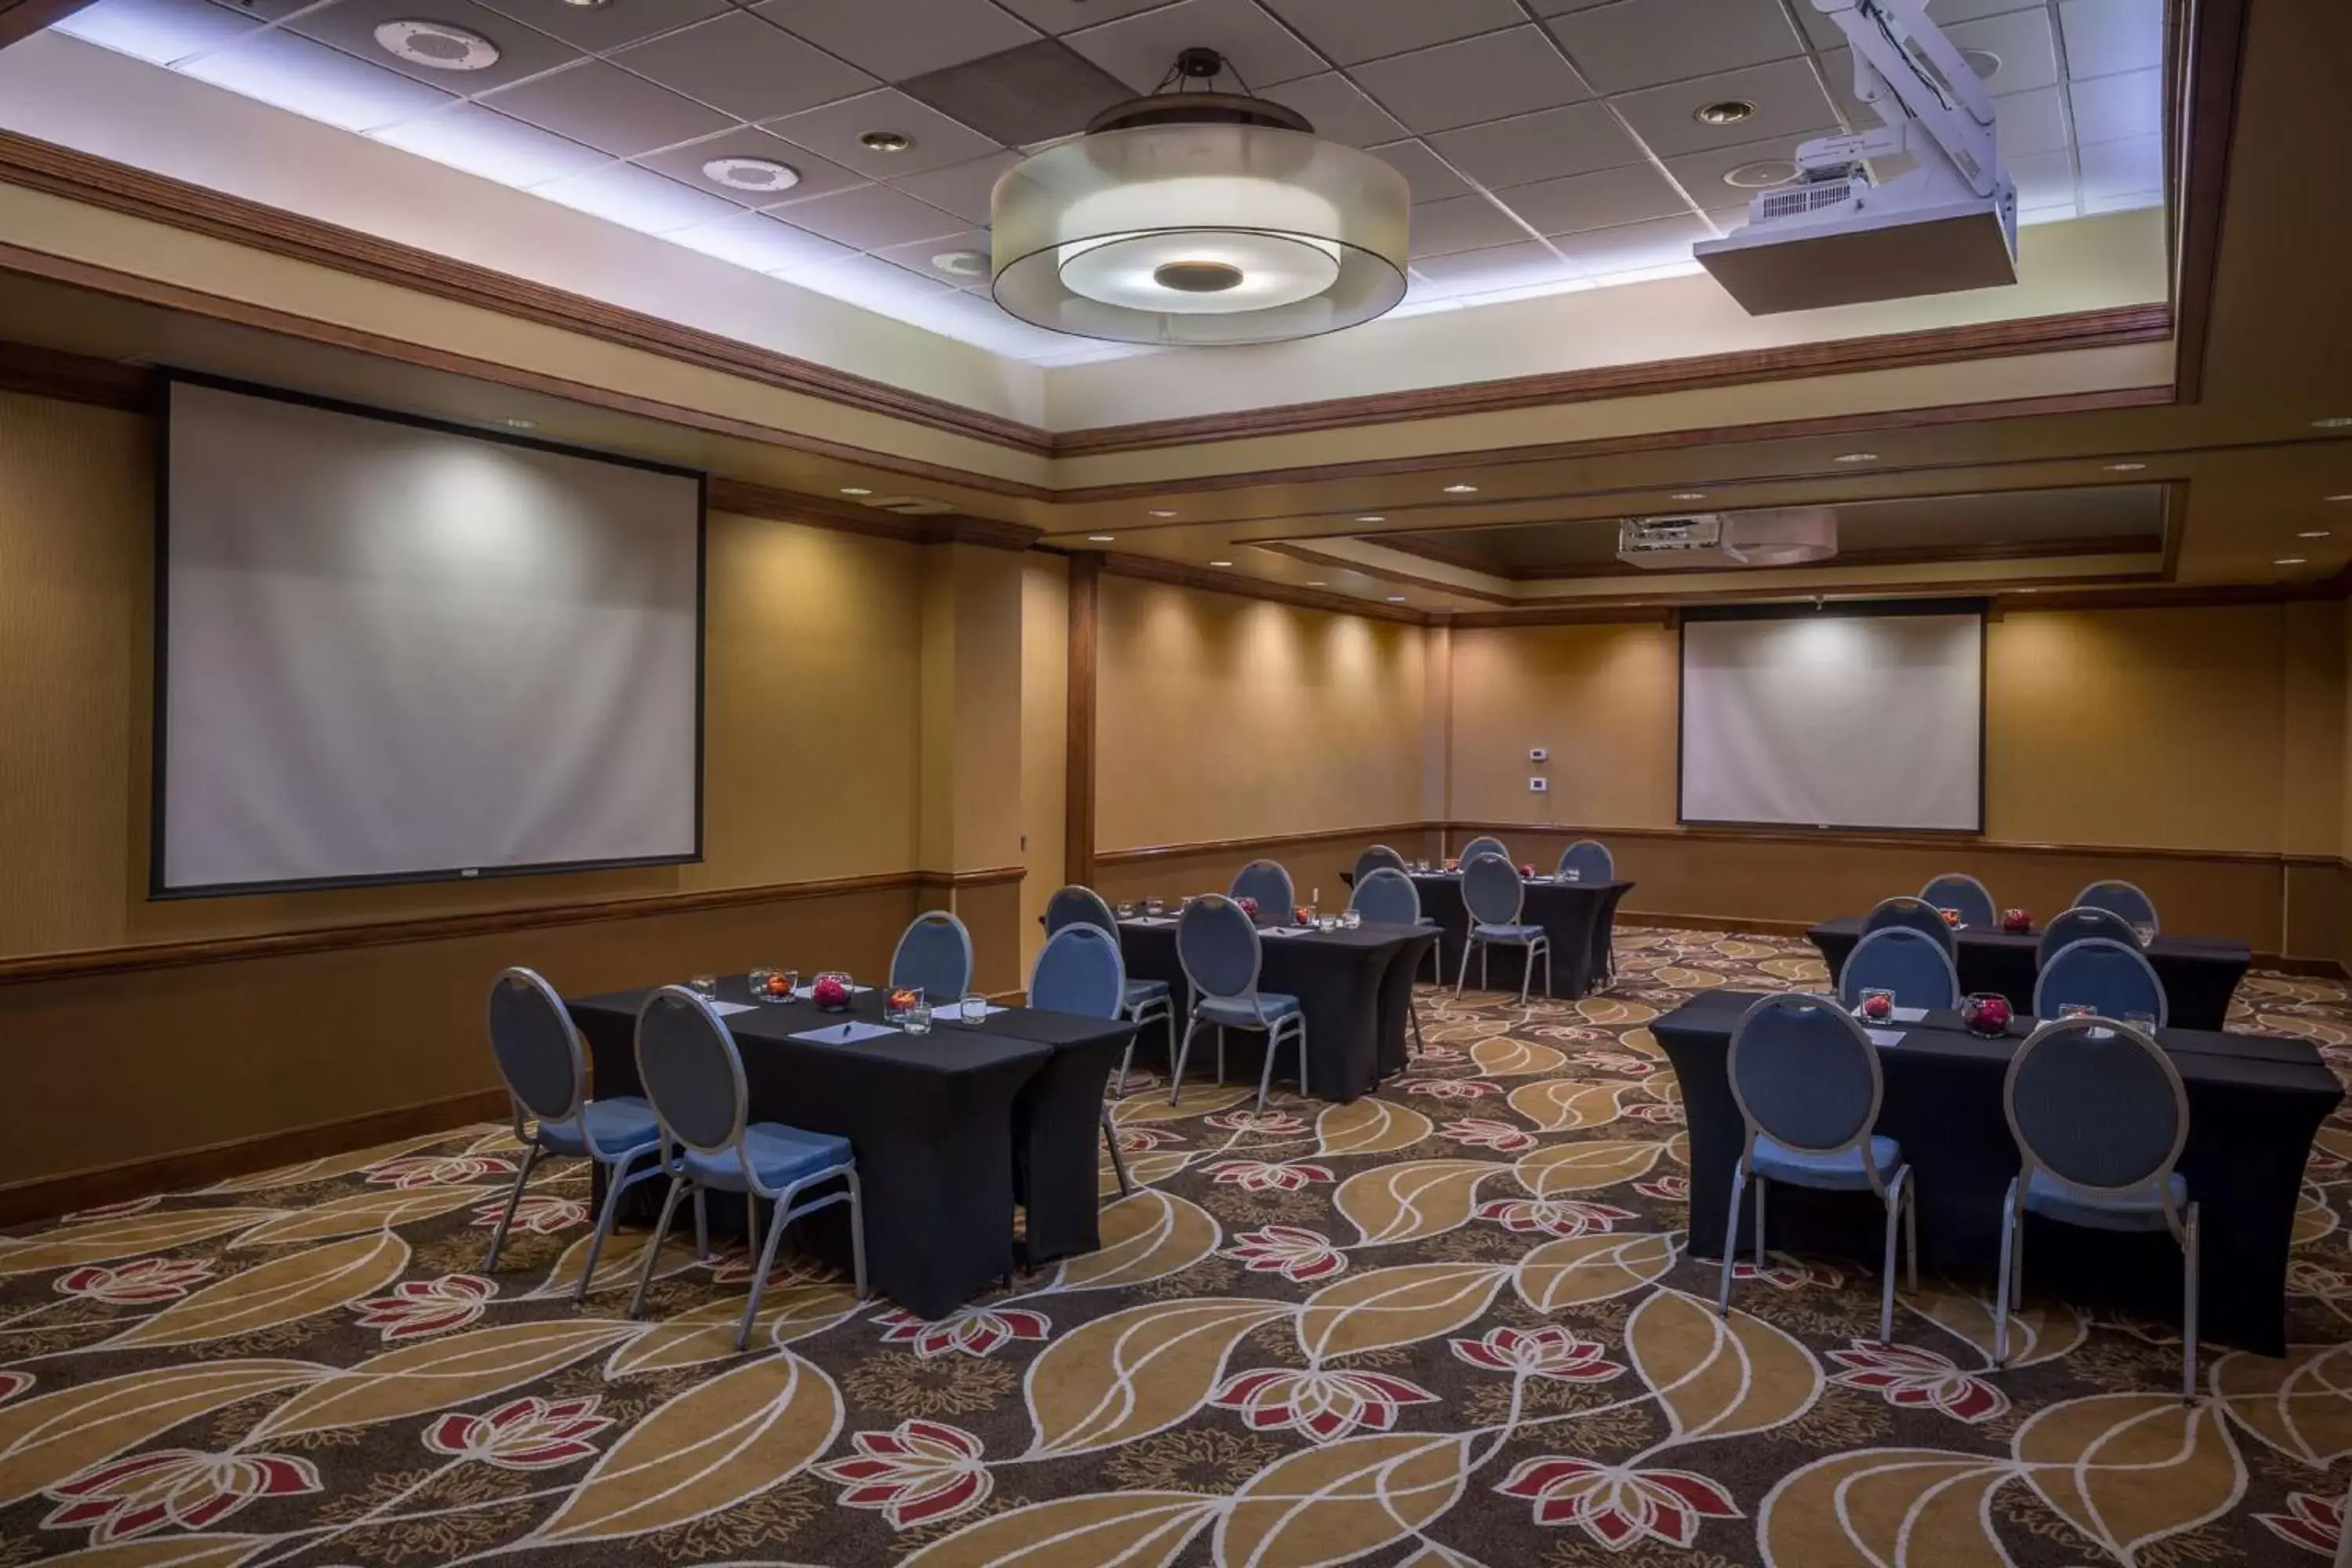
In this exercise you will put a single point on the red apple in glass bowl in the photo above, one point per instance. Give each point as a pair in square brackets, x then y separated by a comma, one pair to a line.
[831, 992]
[1247, 907]
[2017, 922]
[1986, 1012]
[1527, 869]
[1302, 915]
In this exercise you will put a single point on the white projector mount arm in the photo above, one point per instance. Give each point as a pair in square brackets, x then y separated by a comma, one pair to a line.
[1933, 106]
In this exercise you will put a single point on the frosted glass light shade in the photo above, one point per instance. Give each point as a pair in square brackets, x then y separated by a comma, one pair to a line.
[1199, 234]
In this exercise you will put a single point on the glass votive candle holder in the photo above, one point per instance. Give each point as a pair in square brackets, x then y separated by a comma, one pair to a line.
[705, 987]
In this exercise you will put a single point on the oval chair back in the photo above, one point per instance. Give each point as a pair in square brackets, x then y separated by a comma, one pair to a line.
[2080, 924]
[1374, 858]
[1387, 897]
[1959, 891]
[2107, 1114]
[1911, 964]
[1079, 969]
[1804, 1074]
[1075, 905]
[1269, 884]
[2113, 978]
[691, 1071]
[1917, 913]
[2120, 898]
[1492, 890]
[934, 952]
[1590, 859]
[1218, 946]
[1486, 844]
[537, 1050]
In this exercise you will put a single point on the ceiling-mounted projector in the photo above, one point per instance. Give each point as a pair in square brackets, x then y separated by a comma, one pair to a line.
[1838, 236]
[1783, 536]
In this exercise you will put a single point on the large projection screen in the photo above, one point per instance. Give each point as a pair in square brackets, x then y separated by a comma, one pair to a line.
[390, 650]
[1835, 719]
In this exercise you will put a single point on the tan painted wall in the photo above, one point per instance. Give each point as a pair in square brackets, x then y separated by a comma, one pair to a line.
[1222, 717]
[1044, 737]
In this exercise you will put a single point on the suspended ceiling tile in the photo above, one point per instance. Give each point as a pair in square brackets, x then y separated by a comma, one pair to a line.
[1461, 223]
[960, 188]
[607, 107]
[2105, 37]
[2115, 171]
[1641, 43]
[833, 131]
[1338, 108]
[869, 217]
[1140, 49]
[2030, 122]
[2024, 43]
[818, 176]
[2111, 107]
[1785, 96]
[635, 198]
[1635, 246]
[484, 141]
[295, 73]
[1767, 162]
[597, 28]
[894, 40]
[959, 259]
[1059, 17]
[1574, 138]
[747, 68]
[1039, 92]
[1514, 266]
[1491, 77]
[1825, 34]
[1602, 199]
[1350, 31]
[1422, 170]
[760, 242]
[351, 25]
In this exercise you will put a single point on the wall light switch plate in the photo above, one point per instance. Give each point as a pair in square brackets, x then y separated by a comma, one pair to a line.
[1540, 786]
[1539, 754]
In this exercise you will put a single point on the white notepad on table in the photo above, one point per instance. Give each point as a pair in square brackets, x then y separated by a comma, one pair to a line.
[1887, 1036]
[724, 1009]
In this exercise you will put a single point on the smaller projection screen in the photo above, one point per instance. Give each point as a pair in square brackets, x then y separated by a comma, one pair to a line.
[390, 650]
[1863, 716]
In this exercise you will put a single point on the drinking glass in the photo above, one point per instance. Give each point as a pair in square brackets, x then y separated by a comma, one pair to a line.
[1877, 1002]
[705, 987]
[901, 1000]
[792, 986]
[917, 1019]
[2146, 933]
[1421, 866]
[975, 1008]
[1126, 911]
[1351, 919]
[1571, 873]
[1153, 907]
[2144, 1022]
[2078, 1010]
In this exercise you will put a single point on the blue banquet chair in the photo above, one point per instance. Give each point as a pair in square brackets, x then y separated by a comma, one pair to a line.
[1917, 913]
[1589, 860]
[2100, 1117]
[2122, 898]
[694, 1076]
[1959, 891]
[1808, 1085]
[1221, 954]
[539, 1056]
[1375, 858]
[2114, 979]
[1269, 884]
[2080, 924]
[934, 952]
[1911, 964]
[1486, 843]
[1387, 897]
[1081, 969]
[1494, 894]
[1146, 1001]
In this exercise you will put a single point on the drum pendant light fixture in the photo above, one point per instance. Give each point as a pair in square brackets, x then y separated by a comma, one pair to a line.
[1191, 217]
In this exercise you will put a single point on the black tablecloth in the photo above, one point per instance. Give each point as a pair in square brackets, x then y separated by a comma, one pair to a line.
[1581, 917]
[1355, 987]
[2254, 1104]
[942, 1125]
[2198, 973]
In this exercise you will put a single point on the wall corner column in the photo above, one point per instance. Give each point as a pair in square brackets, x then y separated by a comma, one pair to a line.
[1078, 793]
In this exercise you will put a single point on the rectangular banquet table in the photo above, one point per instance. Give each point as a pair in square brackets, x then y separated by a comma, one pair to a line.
[1355, 987]
[2198, 973]
[1581, 917]
[2254, 1105]
[948, 1128]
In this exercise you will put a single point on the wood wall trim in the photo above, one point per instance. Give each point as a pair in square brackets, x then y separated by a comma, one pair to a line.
[139, 958]
[958, 882]
[746, 499]
[2210, 58]
[45, 1195]
[1845, 839]
[20, 19]
[1152, 569]
[118, 187]
[2098, 329]
[76, 378]
[1084, 659]
[1152, 852]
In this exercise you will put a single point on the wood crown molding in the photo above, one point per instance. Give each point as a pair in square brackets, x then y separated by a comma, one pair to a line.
[2208, 62]
[745, 498]
[956, 882]
[139, 958]
[1156, 852]
[1152, 569]
[1848, 839]
[2106, 328]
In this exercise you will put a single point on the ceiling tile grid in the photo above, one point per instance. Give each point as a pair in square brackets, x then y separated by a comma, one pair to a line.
[1549, 145]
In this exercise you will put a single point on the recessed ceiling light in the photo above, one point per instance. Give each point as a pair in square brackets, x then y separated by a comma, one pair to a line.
[2348, 496]
[1857, 457]
[1761, 175]
[588, 5]
[2125, 467]
[960, 263]
[1724, 112]
[762, 174]
[2333, 422]
[1461, 489]
[2313, 534]
[855, 490]
[519, 424]
[1101, 538]
[1163, 514]
[1396, 598]
[1371, 517]
[1689, 495]
[1317, 582]
[2288, 561]
[1220, 562]
[436, 45]
[886, 141]
[2029, 590]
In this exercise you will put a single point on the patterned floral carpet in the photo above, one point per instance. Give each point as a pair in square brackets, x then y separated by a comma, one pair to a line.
[1445, 1327]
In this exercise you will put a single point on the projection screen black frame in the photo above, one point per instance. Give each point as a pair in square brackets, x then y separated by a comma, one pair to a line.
[157, 890]
[1859, 608]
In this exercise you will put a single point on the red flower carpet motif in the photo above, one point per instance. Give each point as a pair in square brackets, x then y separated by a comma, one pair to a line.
[975, 1330]
[1618, 1507]
[1547, 1351]
[1296, 1255]
[1918, 1379]
[438, 1170]
[526, 1433]
[1479, 1133]
[540, 1213]
[1323, 1405]
[141, 1282]
[417, 1307]
[919, 1472]
[1259, 1176]
[1555, 1216]
[2314, 1523]
[178, 1488]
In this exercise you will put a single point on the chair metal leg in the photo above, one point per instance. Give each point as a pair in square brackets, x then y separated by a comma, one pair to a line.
[612, 1186]
[1730, 1240]
[1303, 1090]
[1527, 972]
[702, 1227]
[2003, 1284]
[1896, 1198]
[1412, 1018]
[2188, 1293]
[654, 1247]
[1117, 1161]
[1485, 967]
[1462, 975]
[857, 1231]
[1266, 1074]
[1911, 1229]
[1127, 1061]
[1760, 1185]
[514, 1201]
[767, 1261]
[1220, 1056]
[1176, 1074]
